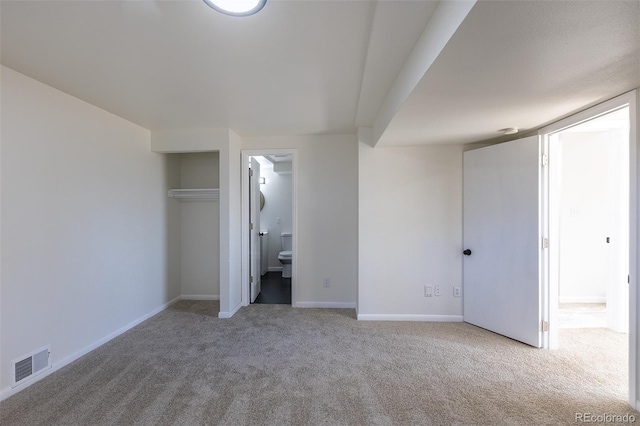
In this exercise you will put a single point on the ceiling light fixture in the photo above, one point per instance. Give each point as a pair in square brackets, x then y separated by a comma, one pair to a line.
[236, 7]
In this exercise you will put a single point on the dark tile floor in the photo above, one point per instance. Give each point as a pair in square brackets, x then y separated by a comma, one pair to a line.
[275, 289]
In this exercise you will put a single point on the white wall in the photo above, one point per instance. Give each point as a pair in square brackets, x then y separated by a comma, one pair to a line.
[199, 170]
[327, 215]
[87, 228]
[410, 231]
[199, 228]
[232, 236]
[585, 218]
[277, 193]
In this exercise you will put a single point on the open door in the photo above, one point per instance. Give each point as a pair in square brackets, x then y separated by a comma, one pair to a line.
[254, 231]
[502, 239]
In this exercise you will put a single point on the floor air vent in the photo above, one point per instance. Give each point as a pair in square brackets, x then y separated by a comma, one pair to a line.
[30, 365]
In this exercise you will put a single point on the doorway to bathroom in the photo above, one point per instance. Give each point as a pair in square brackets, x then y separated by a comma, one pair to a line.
[269, 227]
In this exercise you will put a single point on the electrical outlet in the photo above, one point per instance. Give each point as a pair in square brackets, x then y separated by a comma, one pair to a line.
[457, 292]
[428, 291]
[437, 292]
[327, 282]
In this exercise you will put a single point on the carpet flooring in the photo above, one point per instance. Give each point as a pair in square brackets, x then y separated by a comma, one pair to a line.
[277, 365]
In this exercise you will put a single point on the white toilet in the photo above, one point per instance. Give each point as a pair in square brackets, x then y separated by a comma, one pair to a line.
[285, 254]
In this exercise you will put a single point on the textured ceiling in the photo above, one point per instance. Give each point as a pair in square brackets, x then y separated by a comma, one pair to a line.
[295, 67]
[326, 67]
[522, 64]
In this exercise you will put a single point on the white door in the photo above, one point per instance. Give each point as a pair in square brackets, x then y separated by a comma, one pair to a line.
[502, 239]
[254, 232]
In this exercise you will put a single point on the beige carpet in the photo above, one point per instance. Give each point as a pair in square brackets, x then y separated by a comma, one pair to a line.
[272, 364]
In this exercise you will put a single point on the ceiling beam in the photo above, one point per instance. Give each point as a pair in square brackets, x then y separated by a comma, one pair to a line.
[441, 27]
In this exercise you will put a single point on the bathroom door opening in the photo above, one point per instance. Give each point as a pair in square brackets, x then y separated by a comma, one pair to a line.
[591, 234]
[277, 245]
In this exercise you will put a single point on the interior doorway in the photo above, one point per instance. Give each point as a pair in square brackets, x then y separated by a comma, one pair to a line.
[269, 237]
[591, 228]
[593, 223]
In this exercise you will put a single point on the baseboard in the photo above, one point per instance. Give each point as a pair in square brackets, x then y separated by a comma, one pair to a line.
[334, 305]
[227, 315]
[275, 269]
[582, 300]
[69, 359]
[409, 317]
[199, 297]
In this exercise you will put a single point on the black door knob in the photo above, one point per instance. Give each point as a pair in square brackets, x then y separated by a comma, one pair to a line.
[467, 252]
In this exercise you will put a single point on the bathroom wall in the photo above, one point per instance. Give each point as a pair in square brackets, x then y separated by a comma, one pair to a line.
[277, 192]
[199, 228]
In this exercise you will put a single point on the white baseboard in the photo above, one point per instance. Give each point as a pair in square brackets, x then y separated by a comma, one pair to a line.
[409, 317]
[6, 393]
[334, 305]
[275, 268]
[227, 315]
[199, 297]
[582, 300]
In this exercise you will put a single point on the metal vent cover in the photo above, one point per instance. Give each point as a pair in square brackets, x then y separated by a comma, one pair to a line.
[30, 365]
[23, 369]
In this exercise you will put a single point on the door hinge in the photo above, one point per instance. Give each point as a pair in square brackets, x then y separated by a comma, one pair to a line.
[250, 172]
[545, 243]
[544, 160]
[251, 279]
[545, 326]
[250, 226]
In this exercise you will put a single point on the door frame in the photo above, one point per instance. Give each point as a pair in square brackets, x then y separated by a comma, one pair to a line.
[550, 272]
[245, 249]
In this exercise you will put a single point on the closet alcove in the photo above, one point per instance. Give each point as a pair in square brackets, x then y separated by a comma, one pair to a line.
[195, 189]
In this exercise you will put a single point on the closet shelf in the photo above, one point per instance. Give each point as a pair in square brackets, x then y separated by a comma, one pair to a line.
[195, 194]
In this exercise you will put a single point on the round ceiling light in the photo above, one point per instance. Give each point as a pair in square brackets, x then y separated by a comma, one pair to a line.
[236, 7]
